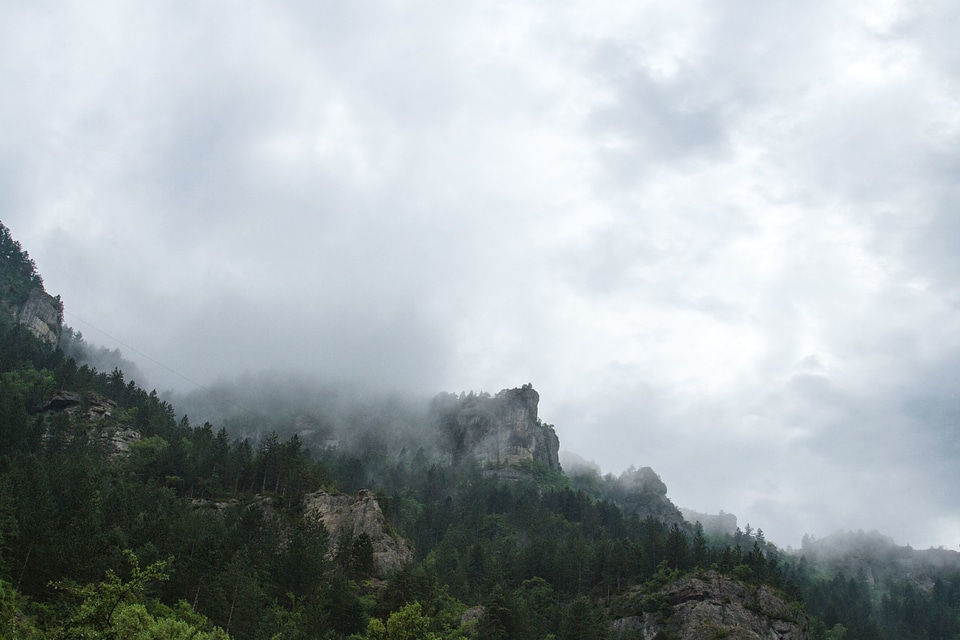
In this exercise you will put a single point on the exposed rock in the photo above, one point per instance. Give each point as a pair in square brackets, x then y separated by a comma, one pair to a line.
[641, 491]
[41, 314]
[708, 606]
[503, 429]
[340, 513]
[97, 407]
[61, 401]
[215, 507]
[94, 410]
[643, 480]
[473, 615]
[119, 440]
[714, 524]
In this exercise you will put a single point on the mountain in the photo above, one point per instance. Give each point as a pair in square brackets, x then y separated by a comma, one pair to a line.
[22, 297]
[296, 510]
[876, 558]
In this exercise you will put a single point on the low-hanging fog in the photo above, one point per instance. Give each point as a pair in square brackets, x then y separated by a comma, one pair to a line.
[719, 239]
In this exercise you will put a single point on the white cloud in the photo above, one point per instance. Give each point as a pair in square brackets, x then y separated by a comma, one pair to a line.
[719, 239]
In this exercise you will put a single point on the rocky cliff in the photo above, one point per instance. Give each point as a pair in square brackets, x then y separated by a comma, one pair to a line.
[707, 606]
[341, 514]
[500, 429]
[41, 314]
[641, 491]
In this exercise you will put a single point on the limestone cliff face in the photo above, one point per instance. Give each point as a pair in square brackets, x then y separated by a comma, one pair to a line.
[41, 314]
[340, 514]
[503, 428]
[708, 606]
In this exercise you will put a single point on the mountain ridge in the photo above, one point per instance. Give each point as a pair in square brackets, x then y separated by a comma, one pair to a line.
[533, 553]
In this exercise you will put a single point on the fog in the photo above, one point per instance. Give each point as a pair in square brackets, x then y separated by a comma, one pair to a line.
[720, 240]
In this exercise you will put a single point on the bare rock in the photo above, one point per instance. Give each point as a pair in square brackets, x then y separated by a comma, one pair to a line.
[340, 513]
[61, 401]
[500, 429]
[92, 412]
[709, 606]
[119, 440]
[41, 314]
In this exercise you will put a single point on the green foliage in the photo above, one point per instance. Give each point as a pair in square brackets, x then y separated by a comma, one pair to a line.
[219, 523]
[583, 620]
[16, 620]
[838, 632]
[407, 623]
[543, 475]
[18, 272]
[115, 608]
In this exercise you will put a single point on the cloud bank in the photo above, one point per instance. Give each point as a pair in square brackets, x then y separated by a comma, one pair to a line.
[720, 240]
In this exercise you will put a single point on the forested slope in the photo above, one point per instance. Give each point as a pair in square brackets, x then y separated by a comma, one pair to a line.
[119, 519]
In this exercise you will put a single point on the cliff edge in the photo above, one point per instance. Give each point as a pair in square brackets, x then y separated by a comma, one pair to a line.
[500, 429]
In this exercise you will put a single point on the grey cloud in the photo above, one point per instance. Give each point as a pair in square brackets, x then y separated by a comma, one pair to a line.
[711, 251]
[655, 120]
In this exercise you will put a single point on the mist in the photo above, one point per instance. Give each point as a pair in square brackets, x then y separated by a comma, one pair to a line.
[719, 240]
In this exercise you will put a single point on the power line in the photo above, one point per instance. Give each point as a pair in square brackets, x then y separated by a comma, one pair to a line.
[138, 352]
[171, 370]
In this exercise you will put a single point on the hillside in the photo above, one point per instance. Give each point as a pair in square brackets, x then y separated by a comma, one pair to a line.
[297, 511]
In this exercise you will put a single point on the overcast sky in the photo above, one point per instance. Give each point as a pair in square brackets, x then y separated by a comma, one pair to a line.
[722, 239]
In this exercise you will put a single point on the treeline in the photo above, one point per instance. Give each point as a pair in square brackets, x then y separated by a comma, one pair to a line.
[224, 517]
[18, 271]
[861, 607]
[119, 520]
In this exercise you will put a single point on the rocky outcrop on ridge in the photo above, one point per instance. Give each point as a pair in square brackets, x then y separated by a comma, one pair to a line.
[707, 606]
[641, 491]
[343, 514]
[714, 524]
[500, 429]
[41, 314]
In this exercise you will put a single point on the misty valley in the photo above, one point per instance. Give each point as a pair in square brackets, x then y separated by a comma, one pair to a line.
[277, 507]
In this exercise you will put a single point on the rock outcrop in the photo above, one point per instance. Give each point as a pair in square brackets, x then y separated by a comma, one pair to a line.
[708, 606]
[641, 491]
[342, 514]
[96, 414]
[500, 429]
[41, 314]
[714, 524]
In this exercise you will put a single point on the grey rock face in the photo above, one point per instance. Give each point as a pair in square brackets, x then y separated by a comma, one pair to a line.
[41, 315]
[500, 429]
[340, 513]
[641, 491]
[709, 606]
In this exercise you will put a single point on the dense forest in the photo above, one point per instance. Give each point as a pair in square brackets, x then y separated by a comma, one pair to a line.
[120, 519]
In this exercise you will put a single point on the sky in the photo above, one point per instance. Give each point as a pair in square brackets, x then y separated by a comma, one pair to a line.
[720, 239]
